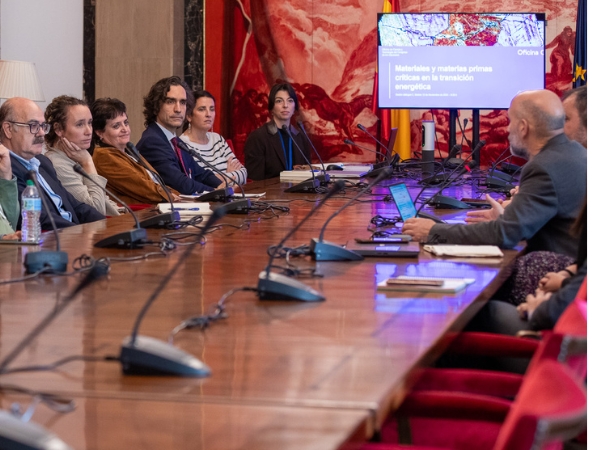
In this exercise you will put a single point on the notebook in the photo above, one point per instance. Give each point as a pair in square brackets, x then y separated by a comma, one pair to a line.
[409, 250]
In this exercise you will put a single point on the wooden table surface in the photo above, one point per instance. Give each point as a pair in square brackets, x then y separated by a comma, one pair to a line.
[351, 357]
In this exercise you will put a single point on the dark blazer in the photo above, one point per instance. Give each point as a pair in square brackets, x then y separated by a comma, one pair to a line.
[263, 153]
[551, 192]
[156, 148]
[80, 212]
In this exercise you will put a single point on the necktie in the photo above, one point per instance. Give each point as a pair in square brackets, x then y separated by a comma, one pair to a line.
[179, 157]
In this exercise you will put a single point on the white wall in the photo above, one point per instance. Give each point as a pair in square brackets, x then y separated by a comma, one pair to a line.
[50, 34]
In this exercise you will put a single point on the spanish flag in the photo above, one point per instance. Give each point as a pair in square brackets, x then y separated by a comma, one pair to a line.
[397, 118]
[580, 59]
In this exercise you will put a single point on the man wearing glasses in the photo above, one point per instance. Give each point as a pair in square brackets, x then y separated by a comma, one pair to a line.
[22, 131]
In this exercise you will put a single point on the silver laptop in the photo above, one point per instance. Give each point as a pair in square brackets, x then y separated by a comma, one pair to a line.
[405, 205]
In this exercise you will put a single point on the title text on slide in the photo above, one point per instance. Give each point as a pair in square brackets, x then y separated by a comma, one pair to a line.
[434, 73]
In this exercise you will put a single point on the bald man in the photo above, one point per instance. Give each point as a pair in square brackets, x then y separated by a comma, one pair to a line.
[551, 191]
[22, 131]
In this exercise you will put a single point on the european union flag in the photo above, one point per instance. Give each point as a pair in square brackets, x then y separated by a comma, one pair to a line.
[580, 59]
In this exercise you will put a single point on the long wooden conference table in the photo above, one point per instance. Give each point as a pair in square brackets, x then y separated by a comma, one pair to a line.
[285, 374]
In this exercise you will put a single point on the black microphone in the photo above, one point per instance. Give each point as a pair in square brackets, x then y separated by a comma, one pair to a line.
[376, 165]
[272, 286]
[363, 129]
[324, 177]
[451, 160]
[143, 355]
[326, 251]
[159, 220]
[15, 433]
[54, 261]
[307, 186]
[233, 207]
[443, 202]
[127, 239]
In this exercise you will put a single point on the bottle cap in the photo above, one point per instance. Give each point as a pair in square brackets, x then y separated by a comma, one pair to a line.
[30, 183]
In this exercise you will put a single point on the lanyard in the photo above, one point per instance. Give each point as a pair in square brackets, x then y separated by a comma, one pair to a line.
[287, 155]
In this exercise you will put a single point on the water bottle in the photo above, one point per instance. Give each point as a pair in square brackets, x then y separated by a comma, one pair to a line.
[31, 229]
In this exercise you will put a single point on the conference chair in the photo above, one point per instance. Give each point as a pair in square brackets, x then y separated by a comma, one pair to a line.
[549, 409]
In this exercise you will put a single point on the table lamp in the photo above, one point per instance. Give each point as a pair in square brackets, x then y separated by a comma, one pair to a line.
[20, 79]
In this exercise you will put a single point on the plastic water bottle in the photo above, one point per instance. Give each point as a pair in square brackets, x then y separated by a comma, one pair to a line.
[31, 230]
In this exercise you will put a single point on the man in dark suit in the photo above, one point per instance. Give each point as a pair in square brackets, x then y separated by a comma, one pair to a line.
[551, 190]
[164, 111]
[22, 132]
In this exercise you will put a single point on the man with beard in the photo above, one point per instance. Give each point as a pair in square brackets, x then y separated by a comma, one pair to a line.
[551, 192]
[22, 132]
[165, 107]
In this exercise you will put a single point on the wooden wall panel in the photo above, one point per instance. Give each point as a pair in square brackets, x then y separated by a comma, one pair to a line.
[137, 43]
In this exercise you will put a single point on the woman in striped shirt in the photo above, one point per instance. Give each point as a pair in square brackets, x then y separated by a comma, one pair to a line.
[212, 146]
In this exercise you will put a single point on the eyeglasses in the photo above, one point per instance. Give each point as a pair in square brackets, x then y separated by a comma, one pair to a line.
[34, 127]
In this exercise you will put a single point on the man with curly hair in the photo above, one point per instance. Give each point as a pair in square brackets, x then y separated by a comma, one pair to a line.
[165, 107]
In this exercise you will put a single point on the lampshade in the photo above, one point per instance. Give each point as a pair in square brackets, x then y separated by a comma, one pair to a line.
[20, 79]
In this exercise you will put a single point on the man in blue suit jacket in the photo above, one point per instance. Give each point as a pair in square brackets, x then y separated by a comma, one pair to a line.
[164, 110]
[22, 132]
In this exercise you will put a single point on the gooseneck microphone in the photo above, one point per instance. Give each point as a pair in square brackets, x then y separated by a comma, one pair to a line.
[364, 130]
[324, 177]
[375, 166]
[233, 207]
[53, 261]
[159, 220]
[443, 202]
[16, 433]
[307, 186]
[127, 239]
[143, 355]
[326, 251]
[272, 286]
[451, 160]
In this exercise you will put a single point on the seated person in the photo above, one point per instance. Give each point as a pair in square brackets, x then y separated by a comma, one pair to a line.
[553, 185]
[211, 146]
[269, 150]
[22, 132]
[68, 141]
[131, 180]
[9, 199]
[165, 107]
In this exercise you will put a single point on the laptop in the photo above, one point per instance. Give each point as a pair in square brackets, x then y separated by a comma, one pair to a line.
[405, 205]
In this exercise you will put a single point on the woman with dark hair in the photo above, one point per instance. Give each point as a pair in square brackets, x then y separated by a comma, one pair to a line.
[273, 147]
[212, 146]
[68, 141]
[129, 175]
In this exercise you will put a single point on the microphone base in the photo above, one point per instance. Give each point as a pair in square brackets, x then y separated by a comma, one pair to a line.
[454, 162]
[218, 195]
[509, 168]
[306, 187]
[280, 287]
[380, 165]
[435, 180]
[36, 261]
[328, 251]
[376, 172]
[323, 178]
[496, 183]
[150, 356]
[501, 175]
[160, 220]
[128, 239]
[16, 434]
[443, 202]
[237, 207]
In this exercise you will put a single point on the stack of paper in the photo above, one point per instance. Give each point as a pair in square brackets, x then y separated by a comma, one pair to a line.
[464, 251]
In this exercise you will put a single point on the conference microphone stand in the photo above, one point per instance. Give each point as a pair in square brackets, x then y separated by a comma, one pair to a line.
[273, 286]
[159, 220]
[127, 239]
[308, 186]
[324, 177]
[326, 251]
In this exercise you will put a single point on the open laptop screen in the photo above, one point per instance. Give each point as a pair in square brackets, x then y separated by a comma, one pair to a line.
[403, 201]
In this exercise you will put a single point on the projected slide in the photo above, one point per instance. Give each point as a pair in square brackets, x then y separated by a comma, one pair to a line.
[459, 60]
